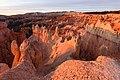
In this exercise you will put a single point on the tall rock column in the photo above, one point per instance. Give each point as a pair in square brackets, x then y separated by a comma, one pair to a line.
[16, 52]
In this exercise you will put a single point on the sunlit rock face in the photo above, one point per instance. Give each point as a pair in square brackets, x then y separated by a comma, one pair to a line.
[101, 69]
[33, 56]
[28, 60]
[61, 52]
[16, 52]
[117, 27]
[40, 33]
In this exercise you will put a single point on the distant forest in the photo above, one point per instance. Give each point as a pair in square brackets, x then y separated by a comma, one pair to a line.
[103, 12]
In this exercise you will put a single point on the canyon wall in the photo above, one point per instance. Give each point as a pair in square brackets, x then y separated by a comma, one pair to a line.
[6, 37]
[35, 60]
[96, 42]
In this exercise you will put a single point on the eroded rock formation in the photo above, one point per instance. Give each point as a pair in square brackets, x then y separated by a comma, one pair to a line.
[5, 41]
[16, 52]
[98, 40]
[32, 55]
[61, 52]
[50, 52]
[6, 37]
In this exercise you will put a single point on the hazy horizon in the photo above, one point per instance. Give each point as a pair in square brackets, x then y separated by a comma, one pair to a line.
[12, 7]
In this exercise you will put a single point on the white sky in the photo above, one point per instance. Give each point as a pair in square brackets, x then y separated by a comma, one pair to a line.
[10, 7]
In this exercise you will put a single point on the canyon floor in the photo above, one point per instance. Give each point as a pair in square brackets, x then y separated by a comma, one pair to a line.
[60, 46]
